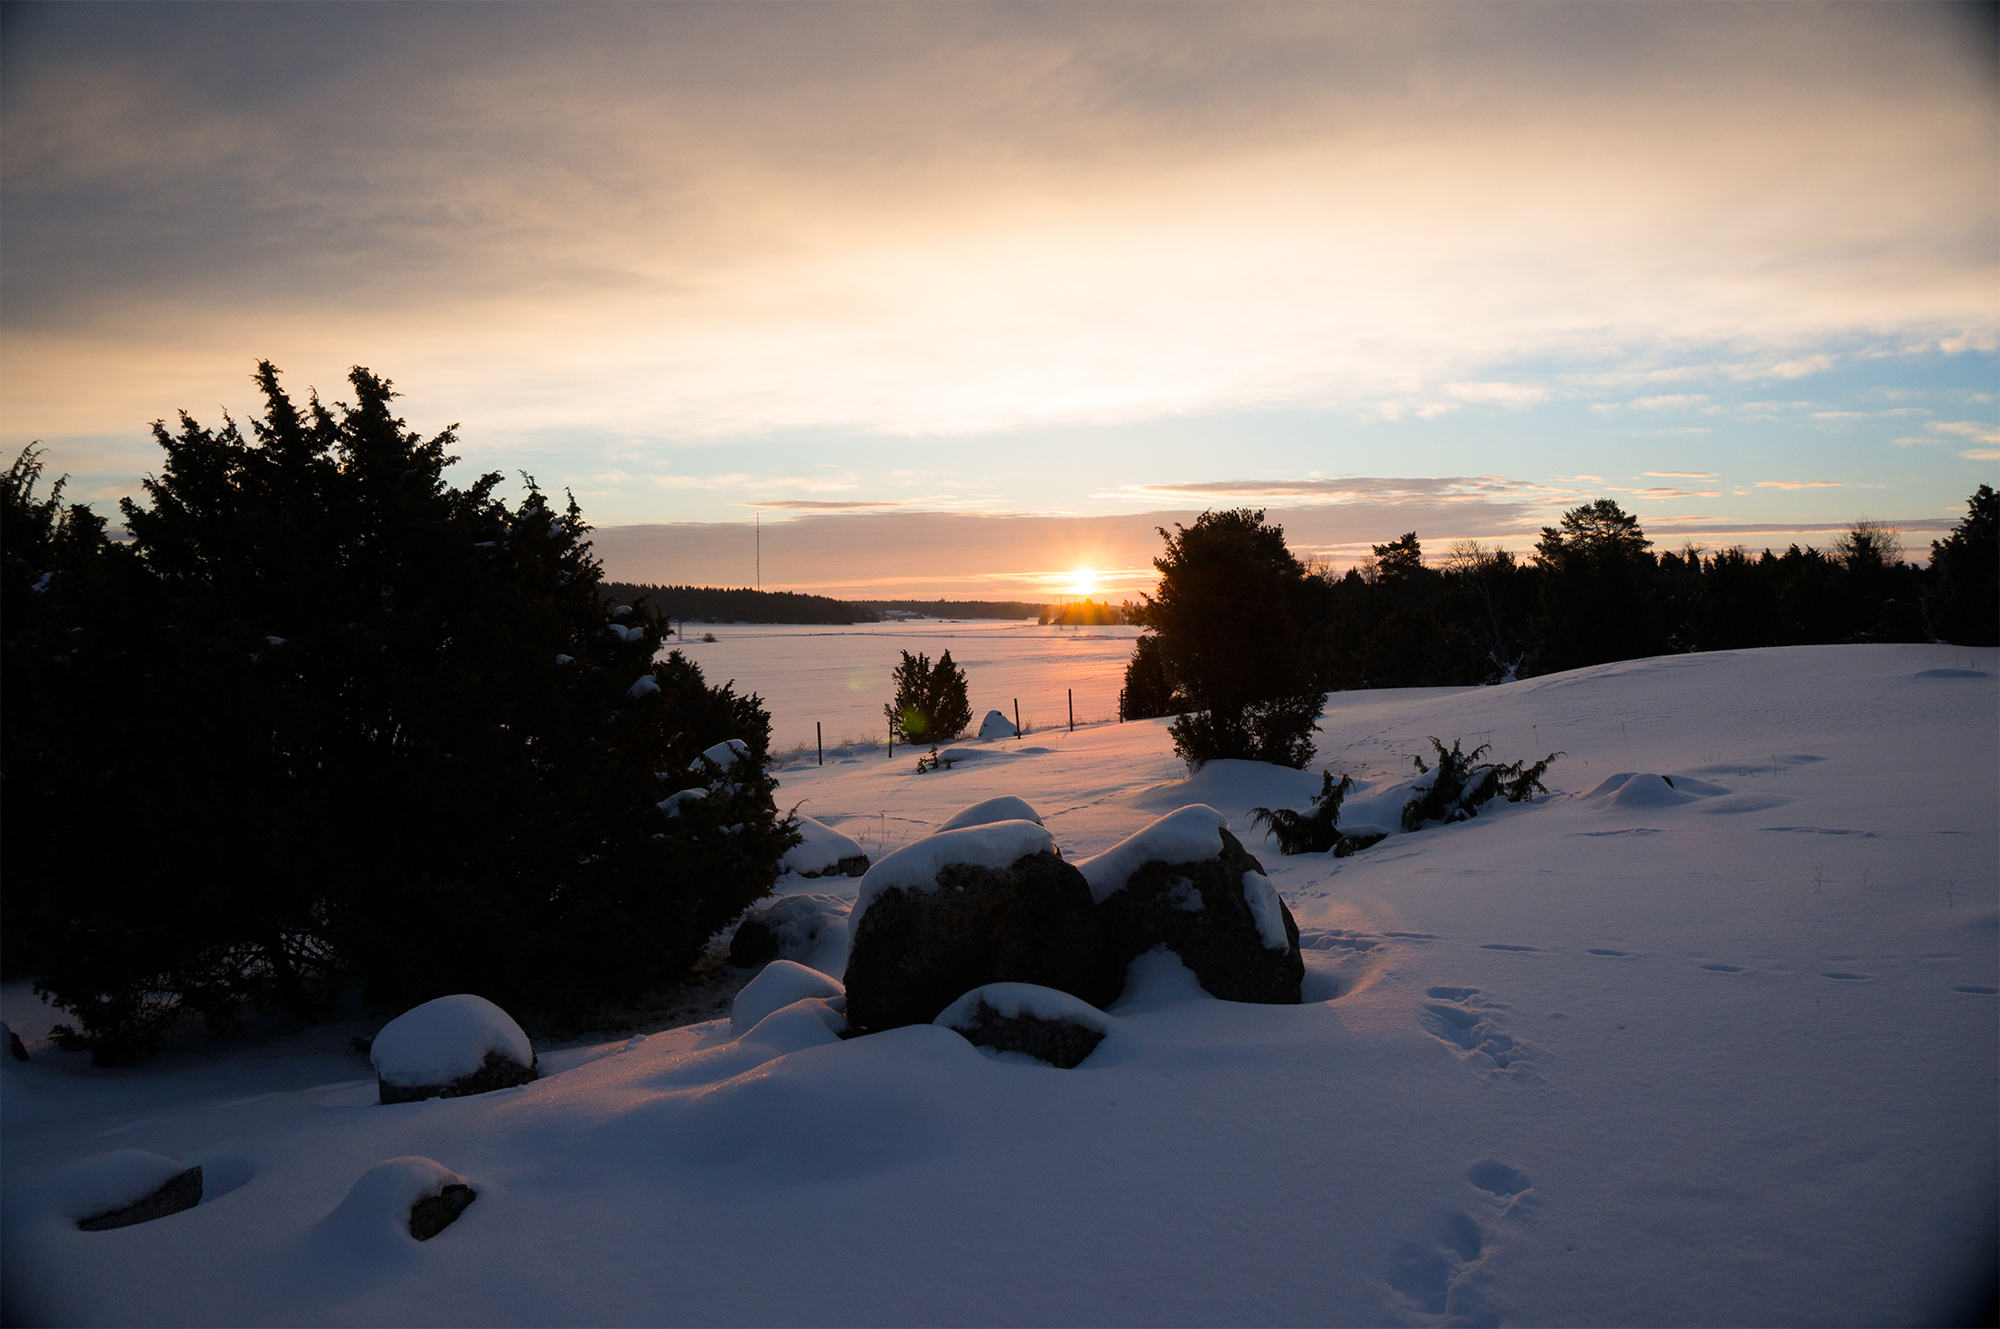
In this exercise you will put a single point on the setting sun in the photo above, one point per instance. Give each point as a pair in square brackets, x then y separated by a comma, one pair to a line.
[1083, 581]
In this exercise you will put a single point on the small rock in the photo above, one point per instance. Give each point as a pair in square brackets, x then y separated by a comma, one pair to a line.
[1042, 1023]
[182, 1192]
[440, 1211]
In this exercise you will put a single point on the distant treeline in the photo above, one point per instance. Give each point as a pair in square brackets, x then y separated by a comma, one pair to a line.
[954, 608]
[712, 604]
[1088, 613]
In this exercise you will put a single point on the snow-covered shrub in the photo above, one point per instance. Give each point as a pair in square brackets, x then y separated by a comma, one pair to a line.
[811, 929]
[931, 704]
[313, 722]
[1460, 783]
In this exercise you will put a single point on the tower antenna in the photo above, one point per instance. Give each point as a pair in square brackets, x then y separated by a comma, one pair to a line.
[760, 551]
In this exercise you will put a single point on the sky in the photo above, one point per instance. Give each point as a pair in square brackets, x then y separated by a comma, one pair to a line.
[967, 300]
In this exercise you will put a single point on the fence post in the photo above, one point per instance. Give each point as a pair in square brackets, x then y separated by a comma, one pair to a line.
[1017, 717]
[892, 742]
[1072, 710]
[819, 742]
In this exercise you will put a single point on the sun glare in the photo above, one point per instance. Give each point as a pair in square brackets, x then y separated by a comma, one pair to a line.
[1083, 581]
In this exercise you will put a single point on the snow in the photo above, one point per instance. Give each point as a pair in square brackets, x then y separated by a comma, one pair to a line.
[672, 803]
[373, 1220]
[811, 927]
[1014, 1000]
[1262, 897]
[987, 811]
[446, 1038]
[1189, 835]
[779, 985]
[724, 754]
[643, 686]
[820, 847]
[996, 725]
[1729, 1060]
[915, 867]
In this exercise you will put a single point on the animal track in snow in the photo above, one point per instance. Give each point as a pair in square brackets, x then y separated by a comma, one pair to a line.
[1429, 1273]
[1846, 977]
[1336, 939]
[1497, 946]
[1978, 990]
[1723, 968]
[1498, 1178]
[1465, 1019]
[1595, 950]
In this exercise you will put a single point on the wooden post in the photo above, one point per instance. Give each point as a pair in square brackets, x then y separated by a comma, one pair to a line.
[819, 741]
[892, 739]
[1072, 710]
[1017, 717]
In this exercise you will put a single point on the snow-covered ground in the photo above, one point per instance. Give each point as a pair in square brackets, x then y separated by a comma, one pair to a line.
[838, 677]
[1725, 1051]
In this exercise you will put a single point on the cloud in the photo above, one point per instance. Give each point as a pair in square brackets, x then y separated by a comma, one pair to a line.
[1977, 431]
[1981, 454]
[1353, 489]
[1798, 484]
[822, 505]
[712, 222]
[1683, 475]
[1677, 401]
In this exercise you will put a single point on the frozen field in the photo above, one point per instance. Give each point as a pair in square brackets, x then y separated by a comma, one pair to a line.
[839, 676]
[1721, 1053]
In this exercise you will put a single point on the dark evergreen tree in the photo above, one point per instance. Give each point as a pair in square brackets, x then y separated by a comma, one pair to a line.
[931, 704]
[1148, 691]
[326, 715]
[1597, 595]
[1963, 604]
[1235, 617]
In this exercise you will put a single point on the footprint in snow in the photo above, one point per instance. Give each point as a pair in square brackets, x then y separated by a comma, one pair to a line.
[1846, 977]
[1496, 946]
[1439, 1273]
[1598, 950]
[1498, 1179]
[1978, 991]
[1723, 968]
[1464, 1019]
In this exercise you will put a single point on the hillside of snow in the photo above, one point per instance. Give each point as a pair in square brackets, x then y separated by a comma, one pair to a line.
[1720, 1046]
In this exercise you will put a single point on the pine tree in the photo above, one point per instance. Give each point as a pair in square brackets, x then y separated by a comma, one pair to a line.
[931, 704]
[1963, 605]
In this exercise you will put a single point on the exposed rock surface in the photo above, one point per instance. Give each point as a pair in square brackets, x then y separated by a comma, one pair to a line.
[1220, 914]
[919, 946]
[431, 1216]
[497, 1072]
[1039, 1022]
[450, 1047]
[182, 1192]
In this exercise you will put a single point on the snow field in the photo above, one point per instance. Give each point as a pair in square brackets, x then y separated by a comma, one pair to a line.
[1612, 1057]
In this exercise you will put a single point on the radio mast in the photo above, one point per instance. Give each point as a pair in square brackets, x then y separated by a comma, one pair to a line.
[760, 551]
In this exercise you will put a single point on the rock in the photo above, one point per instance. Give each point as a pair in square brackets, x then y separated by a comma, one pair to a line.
[996, 725]
[432, 1216]
[792, 927]
[14, 1045]
[1040, 1022]
[449, 1048]
[823, 852]
[1187, 884]
[1005, 808]
[182, 1192]
[961, 909]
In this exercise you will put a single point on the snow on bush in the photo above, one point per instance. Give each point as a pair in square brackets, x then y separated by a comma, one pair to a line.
[782, 983]
[1262, 897]
[1188, 835]
[671, 804]
[89, 1187]
[375, 1216]
[1004, 808]
[446, 1039]
[820, 847]
[1015, 1000]
[642, 686]
[724, 754]
[915, 866]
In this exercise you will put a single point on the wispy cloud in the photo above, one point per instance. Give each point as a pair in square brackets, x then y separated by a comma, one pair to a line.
[1683, 475]
[1675, 401]
[1976, 430]
[1798, 484]
[1516, 395]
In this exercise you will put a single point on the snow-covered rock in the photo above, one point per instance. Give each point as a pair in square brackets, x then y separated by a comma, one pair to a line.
[379, 1215]
[960, 909]
[996, 725]
[781, 984]
[1043, 1023]
[808, 929]
[1004, 808]
[121, 1188]
[450, 1047]
[1185, 883]
[809, 1022]
[643, 686]
[823, 852]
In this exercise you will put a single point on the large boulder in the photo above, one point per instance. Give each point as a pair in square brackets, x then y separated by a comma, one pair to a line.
[1187, 884]
[959, 909]
[449, 1048]
[807, 929]
[1037, 1022]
